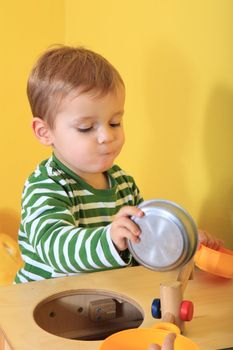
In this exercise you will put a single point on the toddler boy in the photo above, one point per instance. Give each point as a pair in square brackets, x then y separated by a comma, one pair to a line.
[76, 205]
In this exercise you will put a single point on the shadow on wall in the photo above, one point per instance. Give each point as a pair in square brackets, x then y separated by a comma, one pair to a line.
[169, 90]
[217, 211]
[9, 222]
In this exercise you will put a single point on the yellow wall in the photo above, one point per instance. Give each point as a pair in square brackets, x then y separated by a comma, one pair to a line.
[27, 27]
[176, 59]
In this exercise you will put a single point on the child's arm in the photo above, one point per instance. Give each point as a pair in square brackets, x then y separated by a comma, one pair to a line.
[67, 248]
[54, 234]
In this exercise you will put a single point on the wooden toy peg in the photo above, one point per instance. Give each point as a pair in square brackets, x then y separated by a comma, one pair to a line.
[171, 298]
[173, 308]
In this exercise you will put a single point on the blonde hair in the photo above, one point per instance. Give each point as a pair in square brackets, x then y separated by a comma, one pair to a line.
[64, 69]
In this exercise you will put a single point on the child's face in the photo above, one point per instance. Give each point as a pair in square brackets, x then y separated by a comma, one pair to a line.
[88, 132]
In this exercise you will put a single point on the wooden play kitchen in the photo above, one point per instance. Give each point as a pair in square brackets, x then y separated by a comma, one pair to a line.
[65, 310]
[125, 309]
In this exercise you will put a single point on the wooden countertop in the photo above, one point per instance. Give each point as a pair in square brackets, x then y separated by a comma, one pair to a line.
[211, 327]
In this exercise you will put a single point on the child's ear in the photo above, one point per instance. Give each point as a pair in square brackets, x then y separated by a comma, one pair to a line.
[42, 131]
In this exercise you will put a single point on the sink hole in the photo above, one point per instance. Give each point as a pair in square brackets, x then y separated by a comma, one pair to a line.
[87, 314]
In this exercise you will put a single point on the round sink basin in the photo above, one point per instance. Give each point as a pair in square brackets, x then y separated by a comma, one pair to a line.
[87, 314]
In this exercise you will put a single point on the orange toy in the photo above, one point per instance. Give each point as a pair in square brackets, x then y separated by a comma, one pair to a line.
[218, 262]
[141, 338]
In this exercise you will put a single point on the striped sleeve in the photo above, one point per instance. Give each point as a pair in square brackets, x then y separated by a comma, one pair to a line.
[56, 237]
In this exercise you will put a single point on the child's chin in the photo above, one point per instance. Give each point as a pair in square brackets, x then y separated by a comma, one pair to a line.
[105, 167]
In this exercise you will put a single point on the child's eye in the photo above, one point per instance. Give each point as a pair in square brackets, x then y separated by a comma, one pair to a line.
[84, 129]
[115, 125]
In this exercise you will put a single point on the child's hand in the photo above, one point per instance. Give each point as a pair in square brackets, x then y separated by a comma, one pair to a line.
[168, 343]
[124, 228]
[206, 239]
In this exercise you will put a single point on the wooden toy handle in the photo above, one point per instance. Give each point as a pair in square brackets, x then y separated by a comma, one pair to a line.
[185, 274]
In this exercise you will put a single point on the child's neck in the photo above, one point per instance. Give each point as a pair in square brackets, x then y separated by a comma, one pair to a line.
[98, 181]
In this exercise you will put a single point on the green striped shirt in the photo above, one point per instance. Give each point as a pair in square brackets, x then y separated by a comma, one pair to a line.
[65, 223]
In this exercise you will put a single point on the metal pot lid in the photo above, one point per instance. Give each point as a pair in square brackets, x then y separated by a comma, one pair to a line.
[168, 236]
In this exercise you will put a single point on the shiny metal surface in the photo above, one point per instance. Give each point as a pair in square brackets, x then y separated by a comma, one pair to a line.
[168, 236]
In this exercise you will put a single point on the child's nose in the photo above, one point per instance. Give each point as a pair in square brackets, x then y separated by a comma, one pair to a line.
[105, 134]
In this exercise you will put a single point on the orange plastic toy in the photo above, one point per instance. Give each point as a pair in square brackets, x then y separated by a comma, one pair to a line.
[141, 338]
[218, 262]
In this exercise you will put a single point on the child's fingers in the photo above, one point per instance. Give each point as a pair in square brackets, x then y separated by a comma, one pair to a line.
[154, 347]
[121, 239]
[123, 232]
[214, 244]
[209, 241]
[203, 238]
[130, 211]
[168, 343]
[131, 226]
